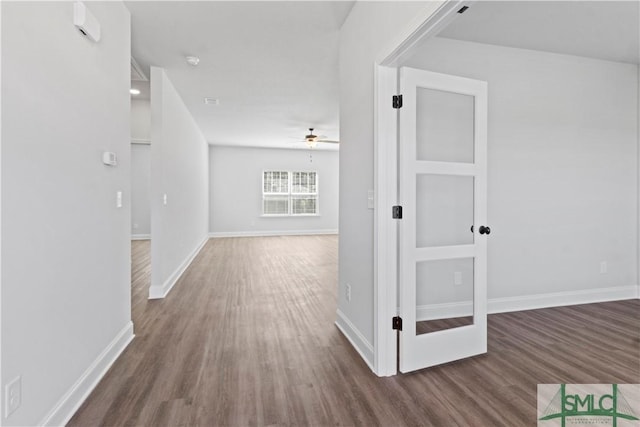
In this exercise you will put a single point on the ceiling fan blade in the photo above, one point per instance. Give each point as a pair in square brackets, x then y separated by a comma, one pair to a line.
[330, 141]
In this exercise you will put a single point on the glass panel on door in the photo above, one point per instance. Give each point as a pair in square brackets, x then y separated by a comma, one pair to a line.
[445, 130]
[444, 294]
[444, 210]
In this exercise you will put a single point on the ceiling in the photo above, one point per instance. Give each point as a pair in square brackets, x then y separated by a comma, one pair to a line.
[273, 66]
[606, 30]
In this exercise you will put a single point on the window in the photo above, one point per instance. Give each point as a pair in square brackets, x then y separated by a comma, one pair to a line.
[289, 193]
[275, 193]
[304, 193]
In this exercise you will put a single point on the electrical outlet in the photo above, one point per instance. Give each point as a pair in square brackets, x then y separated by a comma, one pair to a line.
[603, 267]
[348, 292]
[457, 278]
[12, 396]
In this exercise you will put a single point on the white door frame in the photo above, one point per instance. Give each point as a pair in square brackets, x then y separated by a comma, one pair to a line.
[434, 17]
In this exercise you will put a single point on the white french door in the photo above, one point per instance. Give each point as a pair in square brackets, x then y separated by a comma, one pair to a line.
[443, 230]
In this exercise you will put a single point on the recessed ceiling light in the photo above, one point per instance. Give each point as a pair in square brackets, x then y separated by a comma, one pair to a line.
[134, 91]
[211, 101]
[193, 60]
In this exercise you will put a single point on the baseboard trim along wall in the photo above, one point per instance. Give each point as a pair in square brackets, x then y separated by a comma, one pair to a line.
[218, 234]
[529, 302]
[559, 299]
[78, 393]
[357, 340]
[141, 237]
[156, 292]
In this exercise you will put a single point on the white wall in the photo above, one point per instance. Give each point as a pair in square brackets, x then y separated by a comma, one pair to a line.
[563, 166]
[66, 249]
[140, 169]
[369, 28]
[140, 119]
[140, 191]
[179, 170]
[236, 190]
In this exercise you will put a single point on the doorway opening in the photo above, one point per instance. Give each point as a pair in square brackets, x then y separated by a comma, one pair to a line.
[551, 175]
[140, 189]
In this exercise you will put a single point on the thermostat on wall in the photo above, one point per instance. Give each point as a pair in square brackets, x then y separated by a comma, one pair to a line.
[109, 158]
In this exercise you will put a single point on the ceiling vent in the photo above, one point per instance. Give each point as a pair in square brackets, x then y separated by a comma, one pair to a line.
[211, 101]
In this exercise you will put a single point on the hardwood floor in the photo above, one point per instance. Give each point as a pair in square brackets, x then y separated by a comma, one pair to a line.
[140, 278]
[428, 326]
[246, 338]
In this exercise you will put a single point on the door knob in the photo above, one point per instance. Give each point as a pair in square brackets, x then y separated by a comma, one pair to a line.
[484, 230]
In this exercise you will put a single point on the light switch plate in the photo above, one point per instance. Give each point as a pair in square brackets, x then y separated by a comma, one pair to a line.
[370, 200]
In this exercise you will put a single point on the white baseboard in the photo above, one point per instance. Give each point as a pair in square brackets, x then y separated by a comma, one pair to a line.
[559, 299]
[141, 237]
[217, 234]
[161, 291]
[357, 340]
[78, 393]
[529, 302]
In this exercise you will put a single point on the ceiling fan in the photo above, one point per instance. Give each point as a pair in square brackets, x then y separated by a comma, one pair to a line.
[312, 140]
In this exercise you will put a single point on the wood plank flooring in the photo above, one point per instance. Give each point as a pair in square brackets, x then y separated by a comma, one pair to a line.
[140, 277]
[246, 338]
[428, 326]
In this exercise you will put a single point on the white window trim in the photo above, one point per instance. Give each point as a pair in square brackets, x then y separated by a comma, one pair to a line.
[290, 193]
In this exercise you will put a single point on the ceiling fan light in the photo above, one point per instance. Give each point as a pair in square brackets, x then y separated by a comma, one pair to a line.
[311, 136]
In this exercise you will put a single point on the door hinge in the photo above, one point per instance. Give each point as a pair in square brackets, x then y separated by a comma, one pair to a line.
[397, 101]
[396, 212]
[397, 323]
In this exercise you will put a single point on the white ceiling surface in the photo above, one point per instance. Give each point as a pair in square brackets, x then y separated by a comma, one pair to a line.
[272, 65]
[606, 30]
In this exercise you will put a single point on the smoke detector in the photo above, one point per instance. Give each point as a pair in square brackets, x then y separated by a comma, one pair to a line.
[193, 60]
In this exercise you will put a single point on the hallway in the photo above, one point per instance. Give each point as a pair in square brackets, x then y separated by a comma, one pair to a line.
[246, 337]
